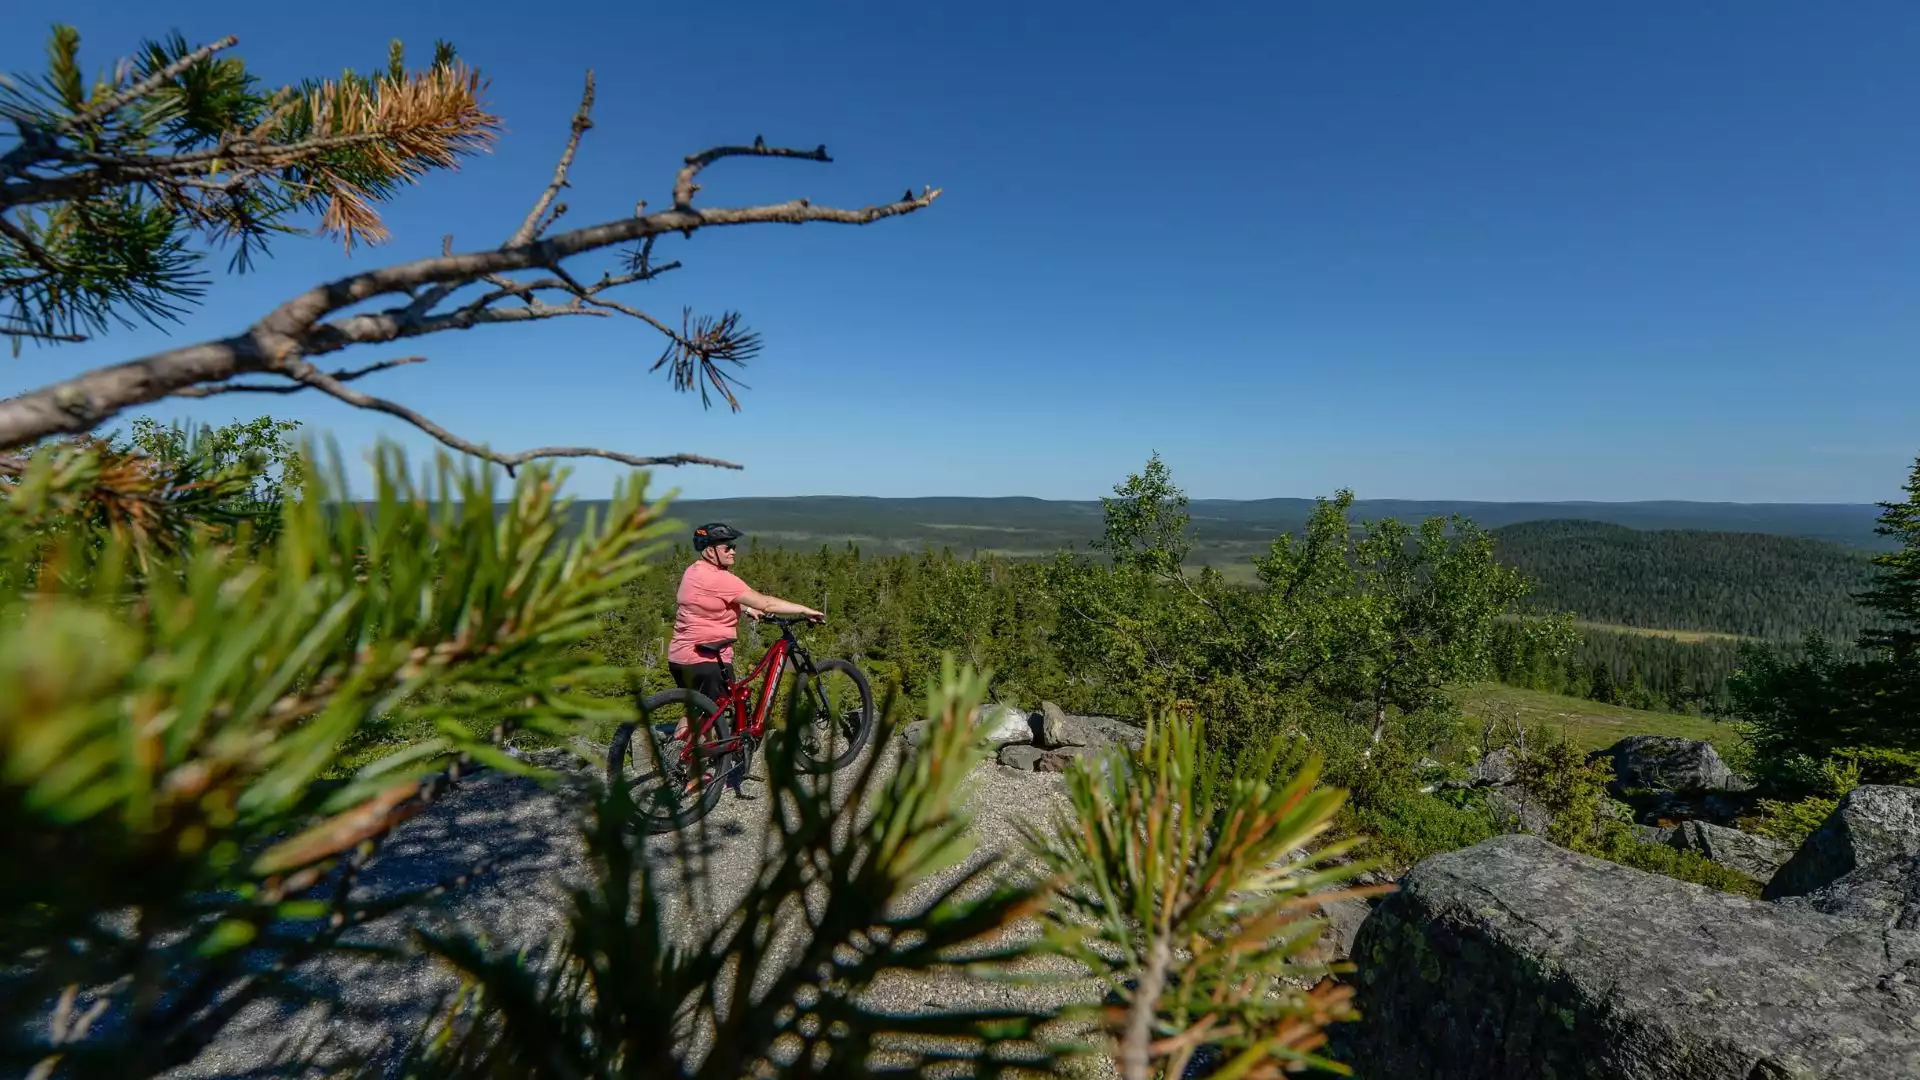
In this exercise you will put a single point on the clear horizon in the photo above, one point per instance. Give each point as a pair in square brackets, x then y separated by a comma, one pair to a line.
[1498, 254]
[1304, 498]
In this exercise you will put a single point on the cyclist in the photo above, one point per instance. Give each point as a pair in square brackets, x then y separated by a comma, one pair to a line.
[706, 617]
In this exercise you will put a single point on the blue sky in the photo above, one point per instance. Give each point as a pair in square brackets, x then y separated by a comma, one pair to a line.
[1480, 251]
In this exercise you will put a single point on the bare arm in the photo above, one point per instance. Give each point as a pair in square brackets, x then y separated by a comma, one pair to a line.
[755, 603]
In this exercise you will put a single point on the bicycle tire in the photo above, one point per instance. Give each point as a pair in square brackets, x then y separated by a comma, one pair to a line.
[655, 823]
[856, 739]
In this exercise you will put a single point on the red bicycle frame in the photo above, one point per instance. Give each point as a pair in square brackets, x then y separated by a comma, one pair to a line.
[737, 697]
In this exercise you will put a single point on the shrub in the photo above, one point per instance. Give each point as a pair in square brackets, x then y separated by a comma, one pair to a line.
[1186, 881]
[1793, 821]
[1409, 827]
[1617, 842]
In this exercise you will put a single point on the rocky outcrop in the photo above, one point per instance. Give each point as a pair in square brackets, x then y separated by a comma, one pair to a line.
[1515, 958]
[1516, 811]
[1669, 763]
[1003, 725]
[1021, 756]
[1758, 857]
[1058, 761]
[1666, 780]
[1046, 741]
[1872, 824]
[1655, 834]
[1498, 767]
[1055, 728]
[1886, 893]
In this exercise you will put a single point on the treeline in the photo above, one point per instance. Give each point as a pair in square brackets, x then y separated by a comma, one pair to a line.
[1774, 588]
[1638, 671]
[899, 612]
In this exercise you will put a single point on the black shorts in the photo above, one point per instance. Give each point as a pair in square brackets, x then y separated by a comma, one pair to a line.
[710, 678]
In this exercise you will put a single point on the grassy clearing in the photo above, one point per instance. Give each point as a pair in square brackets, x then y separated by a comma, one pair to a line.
[1589, 723]
[1688, 636]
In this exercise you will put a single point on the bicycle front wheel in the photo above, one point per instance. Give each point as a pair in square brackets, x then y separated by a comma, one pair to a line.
[832, 716]
[669, 787]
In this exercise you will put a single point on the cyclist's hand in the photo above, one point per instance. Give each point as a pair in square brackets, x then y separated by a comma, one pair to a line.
[816, 616]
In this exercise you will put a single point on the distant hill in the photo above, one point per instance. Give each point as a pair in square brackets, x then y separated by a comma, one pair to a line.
[1227, 530]
[1850, 524]
[1745, 583]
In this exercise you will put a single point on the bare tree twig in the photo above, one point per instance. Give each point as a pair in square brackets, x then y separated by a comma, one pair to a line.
[285, 342]
[8, 329]
[582, 120]
[1135, 1057]
[319, 380]
[27, 244]
[295, 387]
[684, 187]
[79, 404]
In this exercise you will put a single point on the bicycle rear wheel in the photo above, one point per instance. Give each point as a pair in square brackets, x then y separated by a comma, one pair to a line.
[668, 791]
[834, 716]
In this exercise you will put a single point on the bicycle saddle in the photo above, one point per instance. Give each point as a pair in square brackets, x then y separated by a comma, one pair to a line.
[712, 648]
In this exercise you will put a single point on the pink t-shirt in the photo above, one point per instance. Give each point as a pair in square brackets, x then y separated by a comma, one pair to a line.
[707, 609]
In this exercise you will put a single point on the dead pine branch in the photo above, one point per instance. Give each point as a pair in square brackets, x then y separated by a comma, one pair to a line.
[526, 279]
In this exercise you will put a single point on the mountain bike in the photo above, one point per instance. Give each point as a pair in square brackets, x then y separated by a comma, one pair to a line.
[679, 777]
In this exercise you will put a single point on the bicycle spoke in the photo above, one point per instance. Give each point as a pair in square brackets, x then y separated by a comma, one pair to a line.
[833, 717]
[668, 782]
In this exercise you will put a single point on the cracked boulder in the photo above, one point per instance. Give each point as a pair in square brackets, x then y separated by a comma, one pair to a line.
[1516, 959]
[1873, 824]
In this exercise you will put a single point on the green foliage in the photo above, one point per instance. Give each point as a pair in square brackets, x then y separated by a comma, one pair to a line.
[1381, 618]
[1552, 773]
[1773, 588]
[1557, 777]
[1620, 667]
[1146, 523]
[109, 183]
[1807, 714]
[623, 996]
[70, 500]
[161, 734]
[1617, 842]
[1793, 821]
[1798, 713]
[262, 449]
[1186, 882]
[1894, 593]
[1428, 604]
[1407, 826]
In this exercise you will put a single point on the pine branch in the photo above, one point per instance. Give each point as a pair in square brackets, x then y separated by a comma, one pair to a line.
[1190, 879]
[684, 187]
[295, 328]
[146, 87]
[343, 375]
[313, 377]
[388, 130]
[249, 671]
[582, 120]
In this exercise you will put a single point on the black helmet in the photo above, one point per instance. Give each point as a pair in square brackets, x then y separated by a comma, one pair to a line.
[715, 532]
